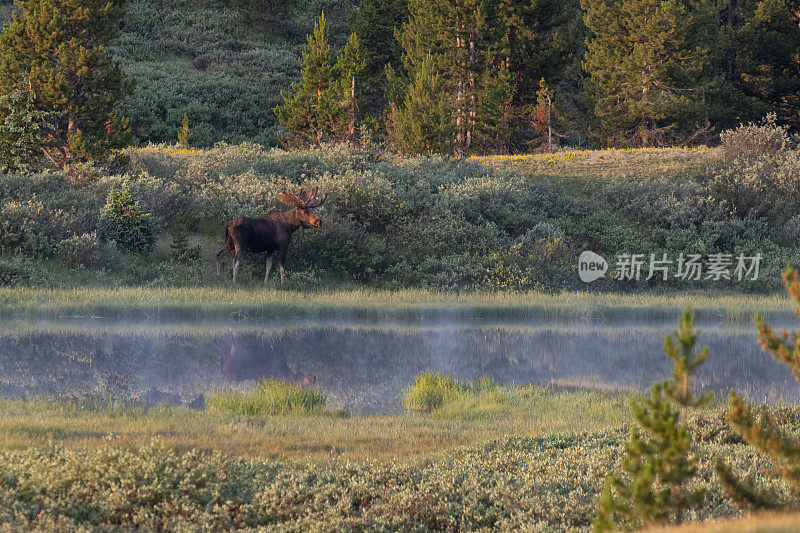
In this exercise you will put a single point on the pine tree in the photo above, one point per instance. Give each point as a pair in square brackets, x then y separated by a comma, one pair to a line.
[648, 69]
[493, 125]
[184, 133]
[754, 50]
[312, 109]
[537, 39]
[659, 465]
[543, 118]
[375, 24]
[21, 132]
[760, 429]
[449, 34]
[123, 221]
[56, 49]
[182, 251]
[424, 123]
[350, 65]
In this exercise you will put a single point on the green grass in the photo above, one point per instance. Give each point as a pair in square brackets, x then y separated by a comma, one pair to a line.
[527, 411]
[270, 397]
[436, 392]
[243, 303]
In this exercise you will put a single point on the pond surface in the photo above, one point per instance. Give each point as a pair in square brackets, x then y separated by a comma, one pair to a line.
[363, 365]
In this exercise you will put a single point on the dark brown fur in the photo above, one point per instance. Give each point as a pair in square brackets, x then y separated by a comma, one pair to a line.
[270, 233]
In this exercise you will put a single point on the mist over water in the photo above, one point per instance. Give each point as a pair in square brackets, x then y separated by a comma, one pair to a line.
[362, 365]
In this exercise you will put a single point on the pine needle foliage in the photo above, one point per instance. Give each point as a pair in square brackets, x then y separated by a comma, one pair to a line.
[57, 50]
[658, 461]
[184, 133]
[760, 428]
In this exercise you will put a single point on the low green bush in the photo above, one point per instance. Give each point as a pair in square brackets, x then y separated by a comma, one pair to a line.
[392, 222]
[271, 397]
[432, 391]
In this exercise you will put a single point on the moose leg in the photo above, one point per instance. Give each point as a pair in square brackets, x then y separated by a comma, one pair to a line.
[220, 254]
[226, 249]
[237, 259]
[281, 259]
[269, 266]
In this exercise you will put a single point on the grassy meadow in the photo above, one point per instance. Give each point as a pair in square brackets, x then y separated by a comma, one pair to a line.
[536, 460]
[258, 303]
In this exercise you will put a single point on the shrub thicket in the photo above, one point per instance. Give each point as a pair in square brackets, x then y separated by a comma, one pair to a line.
[392, 222]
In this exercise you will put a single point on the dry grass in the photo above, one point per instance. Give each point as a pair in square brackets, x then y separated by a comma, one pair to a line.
[529, 411]
[760, 523]
[606, 163]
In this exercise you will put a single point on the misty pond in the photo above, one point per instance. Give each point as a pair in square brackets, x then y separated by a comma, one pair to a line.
[361, 365]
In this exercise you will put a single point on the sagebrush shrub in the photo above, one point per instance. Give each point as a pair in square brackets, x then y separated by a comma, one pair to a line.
[532, 263]
[766, 138]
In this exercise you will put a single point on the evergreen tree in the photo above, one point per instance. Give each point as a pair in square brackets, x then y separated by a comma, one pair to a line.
[493, 126]
[760, 428]
[312, 110]
[754, 52]
[538, 39]
[184, 133]
[21, 131]
[659, 466]
[375, 24]
[449, 34]
[486, 52]
[543, 118]
[424, 123]
[182, 251]
[123, 221]
[350, 65]
[55, 49]
[648, 69]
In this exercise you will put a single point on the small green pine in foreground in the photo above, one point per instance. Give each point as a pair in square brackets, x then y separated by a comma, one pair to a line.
[271, 397]
[123, 221]
[762, 430]
[659, 462]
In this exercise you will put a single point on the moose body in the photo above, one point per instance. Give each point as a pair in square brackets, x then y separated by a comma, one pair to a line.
[270, 233]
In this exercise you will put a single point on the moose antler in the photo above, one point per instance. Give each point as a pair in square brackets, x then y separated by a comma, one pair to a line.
[291, 199]
[305, 199]
[309, 198]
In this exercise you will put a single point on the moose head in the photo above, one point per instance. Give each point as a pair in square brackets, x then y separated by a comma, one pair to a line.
[303, 202]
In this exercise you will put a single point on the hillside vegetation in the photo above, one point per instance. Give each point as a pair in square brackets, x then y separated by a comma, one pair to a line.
[496, 223]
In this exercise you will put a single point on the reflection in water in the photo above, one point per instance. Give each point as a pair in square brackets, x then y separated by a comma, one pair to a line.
[254, 357]
[362, 366]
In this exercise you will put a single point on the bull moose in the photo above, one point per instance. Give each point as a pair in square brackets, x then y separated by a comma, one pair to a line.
[272, 232]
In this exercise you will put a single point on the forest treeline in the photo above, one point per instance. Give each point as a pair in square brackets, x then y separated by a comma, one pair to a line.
[451, 76]
[495, 76]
